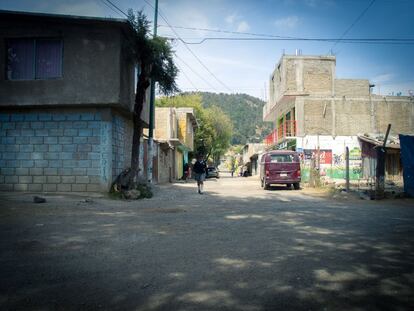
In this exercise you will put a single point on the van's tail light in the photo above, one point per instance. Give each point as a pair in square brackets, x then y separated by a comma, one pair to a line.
[298, 173]
[267, 174]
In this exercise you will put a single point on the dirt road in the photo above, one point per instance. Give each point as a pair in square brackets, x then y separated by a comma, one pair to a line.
[237, 247]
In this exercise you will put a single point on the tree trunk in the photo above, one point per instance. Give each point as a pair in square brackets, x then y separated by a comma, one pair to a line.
[208, 154]
[142, 85]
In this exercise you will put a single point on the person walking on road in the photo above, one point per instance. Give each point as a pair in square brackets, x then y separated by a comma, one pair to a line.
[199, 169]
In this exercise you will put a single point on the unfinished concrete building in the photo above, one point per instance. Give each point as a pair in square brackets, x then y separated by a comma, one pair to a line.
[313, 110]
[67, 88]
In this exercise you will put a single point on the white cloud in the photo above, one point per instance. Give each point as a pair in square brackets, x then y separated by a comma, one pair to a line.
[238, 22]
[237, 64]
[383, 78]
[230, 19]
[288, 22]
[243, 26]
[187, 17]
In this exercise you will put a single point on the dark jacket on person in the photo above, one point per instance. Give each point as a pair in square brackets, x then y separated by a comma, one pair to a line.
[199, 167]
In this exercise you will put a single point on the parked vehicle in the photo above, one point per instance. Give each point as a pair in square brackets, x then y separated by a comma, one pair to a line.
[280, 167]
[212, 172]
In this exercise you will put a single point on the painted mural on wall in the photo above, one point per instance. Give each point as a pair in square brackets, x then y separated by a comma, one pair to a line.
[332, 156]
[325, 155]
[333, 165]
[338, 171]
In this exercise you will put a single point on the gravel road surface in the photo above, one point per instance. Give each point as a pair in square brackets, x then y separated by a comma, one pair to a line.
[236, 247]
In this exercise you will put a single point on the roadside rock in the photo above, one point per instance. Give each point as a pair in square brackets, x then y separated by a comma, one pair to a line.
[132, 194]
[37, 199]
[364, 196]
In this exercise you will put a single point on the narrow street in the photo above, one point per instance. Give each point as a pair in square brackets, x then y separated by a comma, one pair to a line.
[237, 247]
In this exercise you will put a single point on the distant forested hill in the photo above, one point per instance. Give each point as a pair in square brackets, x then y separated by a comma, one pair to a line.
[245, 111]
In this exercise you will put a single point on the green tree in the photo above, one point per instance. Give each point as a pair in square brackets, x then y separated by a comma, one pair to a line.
[154, 57]
[214, 132]
[221, 135]
[245, 112]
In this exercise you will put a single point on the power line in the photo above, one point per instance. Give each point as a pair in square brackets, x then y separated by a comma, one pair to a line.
[109, 6]
[265, 37]
[386, 41]
[354, 22]
[116, 7]
[229, 32]
[113, 6]
[261, 35]
[197, 74]
[189, 80]
[191, 51]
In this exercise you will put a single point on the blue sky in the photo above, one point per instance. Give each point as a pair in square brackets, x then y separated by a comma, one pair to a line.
[245, 66]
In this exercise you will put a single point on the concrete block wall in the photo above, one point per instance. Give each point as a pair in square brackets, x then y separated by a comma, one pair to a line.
[347, 117]
[351, 87]
[122, 132]
[299, 75]
[399, 111]
[318, 76]
[162, 124]
[290, 84]
[56, 150]
[165, 164]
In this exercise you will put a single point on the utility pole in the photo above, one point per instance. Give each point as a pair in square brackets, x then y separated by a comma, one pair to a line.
[150, 151]
[347, 169]
[380, 173]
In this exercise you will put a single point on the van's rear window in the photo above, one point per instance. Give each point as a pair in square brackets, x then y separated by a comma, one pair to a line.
[283, 158]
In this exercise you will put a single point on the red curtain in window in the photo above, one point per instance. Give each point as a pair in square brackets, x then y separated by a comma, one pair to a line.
[20, 56]
[48, 58]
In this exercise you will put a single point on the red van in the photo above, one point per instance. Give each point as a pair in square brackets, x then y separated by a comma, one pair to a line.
[280, 167]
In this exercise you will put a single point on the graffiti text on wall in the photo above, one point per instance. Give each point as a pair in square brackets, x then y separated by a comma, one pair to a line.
[325, 155]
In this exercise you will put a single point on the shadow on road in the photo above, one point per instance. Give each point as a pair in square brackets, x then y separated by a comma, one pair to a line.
[182, 251]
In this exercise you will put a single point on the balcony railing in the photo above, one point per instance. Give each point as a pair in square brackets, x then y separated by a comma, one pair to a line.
[286, 129]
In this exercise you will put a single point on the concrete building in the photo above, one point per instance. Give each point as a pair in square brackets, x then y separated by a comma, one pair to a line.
[174, 133]
[313, 110]
[67, 94]
[251, 154]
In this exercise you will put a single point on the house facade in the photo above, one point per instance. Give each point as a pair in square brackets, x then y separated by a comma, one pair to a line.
[251, 154]
[315, 113]
[174, 134]
[67, 93]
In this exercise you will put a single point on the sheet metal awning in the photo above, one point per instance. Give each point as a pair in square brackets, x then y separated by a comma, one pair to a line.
[378, 142]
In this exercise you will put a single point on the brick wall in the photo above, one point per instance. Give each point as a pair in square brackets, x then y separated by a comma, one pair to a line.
[162, 116]
[165, 164]
[59, 150]
[290, 74]
[345, 116]
[122, 132]
[315, 120]
[351, 87]
[317, 76]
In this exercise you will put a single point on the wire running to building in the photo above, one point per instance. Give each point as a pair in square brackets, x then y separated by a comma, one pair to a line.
[190, 50]
[195, 72]
[230, 32]
[383, 41]
[119, 11]
[353, 23]
[188, 79]
[113, 5]
[109, 7]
